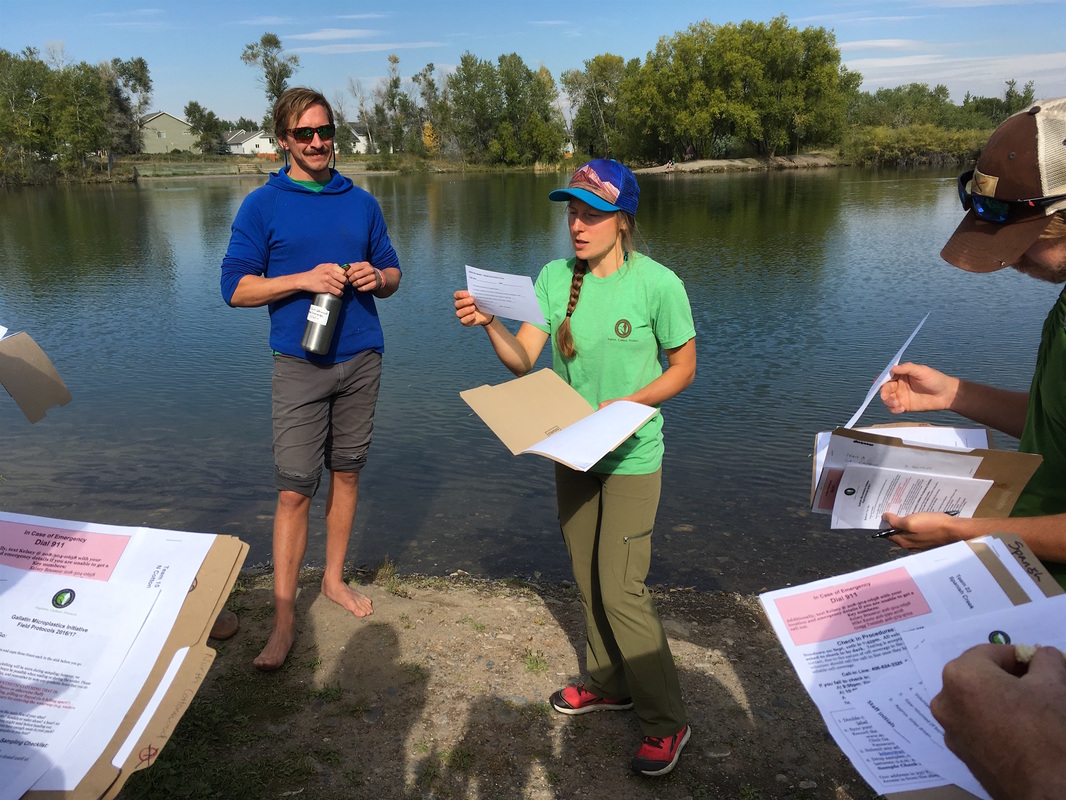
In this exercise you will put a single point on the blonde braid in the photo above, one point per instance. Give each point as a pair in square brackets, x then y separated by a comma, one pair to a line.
[564, 337]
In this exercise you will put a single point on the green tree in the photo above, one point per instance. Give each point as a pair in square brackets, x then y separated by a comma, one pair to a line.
[769, 84]
[902, 106]
[131, 89]
[474, 98]
[989, 112]
[210, 130]
[593, 94]
[395, 112]
[365, 119]
[244, 124]
[26, 100]
[80, 111]
[268, 55]
[693, 92]
[344, 139]
[544, 132]
[530, 128]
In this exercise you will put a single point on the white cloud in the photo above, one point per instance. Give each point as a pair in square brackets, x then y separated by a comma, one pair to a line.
[335, 49]
[266, 21]
[980, 75]
[333, 33]
[881, 44]
[986, 3]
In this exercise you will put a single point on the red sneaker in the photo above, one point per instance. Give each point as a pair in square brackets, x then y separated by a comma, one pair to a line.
[579, 700]
[658, 756]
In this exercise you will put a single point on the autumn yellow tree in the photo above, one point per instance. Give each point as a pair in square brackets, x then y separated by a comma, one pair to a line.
[430, 140]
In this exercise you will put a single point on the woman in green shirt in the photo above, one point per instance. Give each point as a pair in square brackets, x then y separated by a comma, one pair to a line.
[610, 314]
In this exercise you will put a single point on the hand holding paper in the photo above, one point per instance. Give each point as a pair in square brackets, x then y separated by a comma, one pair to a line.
[885, 376]
[510, 296]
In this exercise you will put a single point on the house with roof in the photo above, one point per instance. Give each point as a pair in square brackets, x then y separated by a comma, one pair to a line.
[162, 132]
[251, 144]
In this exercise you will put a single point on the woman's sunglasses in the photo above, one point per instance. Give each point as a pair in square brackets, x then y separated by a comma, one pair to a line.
[307, 134]
[992, 210]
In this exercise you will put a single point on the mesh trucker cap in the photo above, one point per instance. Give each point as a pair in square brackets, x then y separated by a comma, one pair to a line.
[1024, 159]
[604, 184]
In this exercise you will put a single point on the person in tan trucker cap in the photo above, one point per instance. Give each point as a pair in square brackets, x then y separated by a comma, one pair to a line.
[1015, 203]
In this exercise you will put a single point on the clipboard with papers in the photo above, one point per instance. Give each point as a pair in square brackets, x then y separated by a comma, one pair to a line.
[869, 647]
[541, 413]
[865, 472]
[858, 474]
[119, 718]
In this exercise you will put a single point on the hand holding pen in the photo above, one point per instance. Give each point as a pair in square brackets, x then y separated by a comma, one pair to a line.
[894, 531]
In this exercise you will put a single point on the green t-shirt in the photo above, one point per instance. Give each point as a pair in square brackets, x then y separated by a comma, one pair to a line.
[621, 325]
[1045, 427]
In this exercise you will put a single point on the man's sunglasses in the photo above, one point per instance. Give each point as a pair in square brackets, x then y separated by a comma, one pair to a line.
[991, 209]
[307, 134]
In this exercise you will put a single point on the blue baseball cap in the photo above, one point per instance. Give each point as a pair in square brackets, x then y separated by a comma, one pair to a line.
[604, 184]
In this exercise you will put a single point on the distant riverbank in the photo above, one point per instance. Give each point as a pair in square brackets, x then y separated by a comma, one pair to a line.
[246, 167]
[806, 161]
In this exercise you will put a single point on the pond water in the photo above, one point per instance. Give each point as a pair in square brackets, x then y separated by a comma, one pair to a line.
[803, 285]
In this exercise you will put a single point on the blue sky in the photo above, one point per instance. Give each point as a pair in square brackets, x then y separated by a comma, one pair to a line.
[193, 48]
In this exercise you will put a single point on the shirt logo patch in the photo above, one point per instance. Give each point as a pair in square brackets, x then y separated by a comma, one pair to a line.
[623, 328]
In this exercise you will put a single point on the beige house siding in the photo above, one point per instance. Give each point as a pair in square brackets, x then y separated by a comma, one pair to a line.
[162, 133]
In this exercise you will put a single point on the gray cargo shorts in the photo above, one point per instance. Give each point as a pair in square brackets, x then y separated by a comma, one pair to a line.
[323, 414]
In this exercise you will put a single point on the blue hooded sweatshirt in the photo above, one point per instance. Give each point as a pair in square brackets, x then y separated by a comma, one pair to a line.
[283, 228]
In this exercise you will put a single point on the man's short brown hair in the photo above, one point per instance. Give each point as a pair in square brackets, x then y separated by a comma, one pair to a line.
[292, 105]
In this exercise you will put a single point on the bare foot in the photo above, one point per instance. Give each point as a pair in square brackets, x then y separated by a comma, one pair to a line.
[278, 645]
[346, 597]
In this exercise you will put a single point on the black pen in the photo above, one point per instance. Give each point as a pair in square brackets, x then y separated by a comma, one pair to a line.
[894, 531]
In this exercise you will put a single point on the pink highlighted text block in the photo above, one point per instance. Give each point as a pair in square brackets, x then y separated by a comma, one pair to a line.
[834, 611]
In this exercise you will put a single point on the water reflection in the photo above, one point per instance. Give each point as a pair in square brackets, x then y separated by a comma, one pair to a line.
[803, 285]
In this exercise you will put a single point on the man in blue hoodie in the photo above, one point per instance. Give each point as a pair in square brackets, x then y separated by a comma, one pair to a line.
[308, 231]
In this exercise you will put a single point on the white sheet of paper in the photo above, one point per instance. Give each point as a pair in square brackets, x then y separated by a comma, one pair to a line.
[122, 566]
[843, 451]
[165, 561]
[899, 718]
[588, 440]
[504, 295]
[845, 632]
[931, 648]
[57, 663]
[1034, 623]
[885, 376]
[866, 493]
[927, 435]
[157, 697]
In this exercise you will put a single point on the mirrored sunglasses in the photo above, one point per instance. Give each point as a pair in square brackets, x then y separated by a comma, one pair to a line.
[307, 134]
[991, 209]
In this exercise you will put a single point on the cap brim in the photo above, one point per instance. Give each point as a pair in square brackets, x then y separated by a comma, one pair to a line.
[585, 196]
[979, 246]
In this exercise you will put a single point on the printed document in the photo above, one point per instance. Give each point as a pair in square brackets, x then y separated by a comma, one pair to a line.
[846, 636]
[504, 295]
[87, 609]
[867, 492]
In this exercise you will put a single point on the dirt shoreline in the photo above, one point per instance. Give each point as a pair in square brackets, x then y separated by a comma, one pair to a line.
[442, 693]
[807, 161]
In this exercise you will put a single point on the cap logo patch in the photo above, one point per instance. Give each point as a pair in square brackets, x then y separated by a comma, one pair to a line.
[984, 185]
[586, 178]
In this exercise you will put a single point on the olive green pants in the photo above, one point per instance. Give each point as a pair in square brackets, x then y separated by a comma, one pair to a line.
[607, 522]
